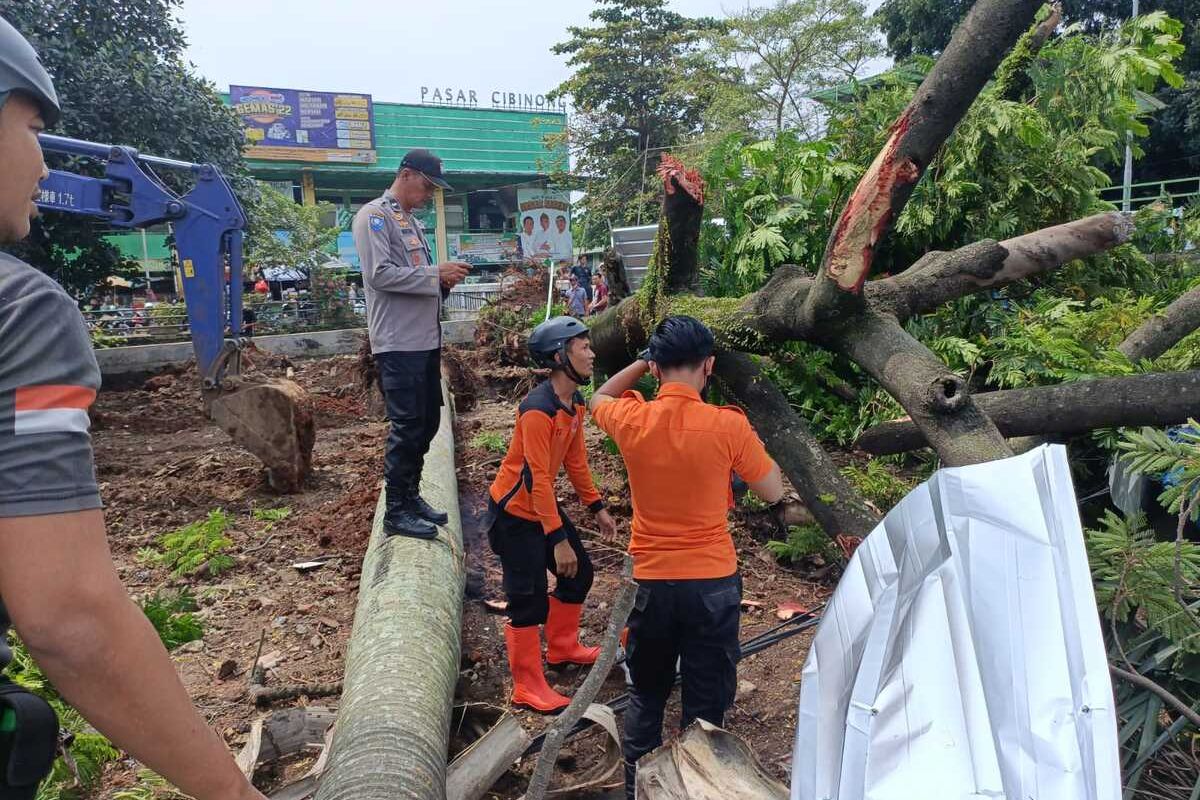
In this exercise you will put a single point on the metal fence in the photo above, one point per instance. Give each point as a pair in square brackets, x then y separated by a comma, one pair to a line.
[168, 322]
[1176, 191]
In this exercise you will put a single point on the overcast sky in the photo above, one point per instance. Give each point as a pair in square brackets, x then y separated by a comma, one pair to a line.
[391, 49]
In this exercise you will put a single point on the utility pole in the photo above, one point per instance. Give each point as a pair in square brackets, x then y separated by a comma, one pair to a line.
[1127, 184]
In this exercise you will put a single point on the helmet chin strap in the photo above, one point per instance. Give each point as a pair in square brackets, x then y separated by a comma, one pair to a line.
[565, 362]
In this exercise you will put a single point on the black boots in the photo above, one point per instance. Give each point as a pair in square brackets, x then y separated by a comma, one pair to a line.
[427, 512]
[412, 516]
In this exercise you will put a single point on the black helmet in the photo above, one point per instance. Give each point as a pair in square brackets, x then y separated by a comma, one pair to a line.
[551, 337]
[21, 71]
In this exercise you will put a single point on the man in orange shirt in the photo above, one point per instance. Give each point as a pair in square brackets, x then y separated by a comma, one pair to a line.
[680, 454]
[529, 531]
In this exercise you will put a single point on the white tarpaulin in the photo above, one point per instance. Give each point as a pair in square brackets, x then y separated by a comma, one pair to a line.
[961, 655]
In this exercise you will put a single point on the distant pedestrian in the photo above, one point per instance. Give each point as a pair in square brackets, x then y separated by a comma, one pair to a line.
[599, 294]
[576, 299]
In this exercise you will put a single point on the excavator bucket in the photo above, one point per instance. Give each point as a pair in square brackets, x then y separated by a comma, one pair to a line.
[273, 419]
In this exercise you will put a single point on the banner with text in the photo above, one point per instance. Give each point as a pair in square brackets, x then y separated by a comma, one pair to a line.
[298, 125]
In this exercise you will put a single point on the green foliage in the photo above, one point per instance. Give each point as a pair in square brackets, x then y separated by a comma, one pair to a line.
[629, 102]
[883, 487]
[284, 233]
[491, 441]
[150, 786]
[195, 547]
[770, 58]
[122, 77]
[272, 515]
[924, 26]
[539, 316]
[89, 750]
[1152, 452]
[1134, 574]
[173, 618]
[804, 541]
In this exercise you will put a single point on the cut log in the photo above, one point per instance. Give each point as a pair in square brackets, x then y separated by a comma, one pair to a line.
[1157, 398]
[479, 766]
[403, 656]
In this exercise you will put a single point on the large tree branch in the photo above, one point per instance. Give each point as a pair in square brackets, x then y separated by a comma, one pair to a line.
[1157, 398]
[1163, 331]
[935, 398]
[833, 501]
[777, 310]
[978, 45]
[938, 277]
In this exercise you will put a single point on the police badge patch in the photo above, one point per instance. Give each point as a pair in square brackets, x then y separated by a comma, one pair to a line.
[376, 223]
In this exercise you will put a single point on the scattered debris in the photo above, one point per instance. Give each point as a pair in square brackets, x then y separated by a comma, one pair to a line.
[787, 610]
[706, 763]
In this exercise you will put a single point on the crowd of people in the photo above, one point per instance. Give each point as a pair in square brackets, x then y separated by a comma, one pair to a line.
[585, 293]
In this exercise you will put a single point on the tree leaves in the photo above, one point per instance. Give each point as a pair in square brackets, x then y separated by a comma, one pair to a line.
[119, 70]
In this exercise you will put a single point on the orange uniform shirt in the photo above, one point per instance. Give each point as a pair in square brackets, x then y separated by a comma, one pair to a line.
[679, 452]
[548, 436]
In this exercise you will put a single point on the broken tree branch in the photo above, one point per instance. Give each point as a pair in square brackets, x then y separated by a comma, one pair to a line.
[261, 695]
[936, 399]
[562, 726]
[938, 278]
[1164, 330]
[834, 502]
[1157, 398]
[776, 310]
[1138, 679]
[977, 47]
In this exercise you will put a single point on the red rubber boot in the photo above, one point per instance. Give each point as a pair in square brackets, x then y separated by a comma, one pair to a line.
[530, 689]
[562, 635]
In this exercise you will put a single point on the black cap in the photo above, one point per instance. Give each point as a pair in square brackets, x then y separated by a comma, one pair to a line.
[427, 164]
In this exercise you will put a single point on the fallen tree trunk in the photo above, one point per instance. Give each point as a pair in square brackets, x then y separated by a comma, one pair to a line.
[1157, 398]
[403, 658]
[834, 502]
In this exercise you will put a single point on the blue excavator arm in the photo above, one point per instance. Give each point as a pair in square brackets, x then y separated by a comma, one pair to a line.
[208, 224]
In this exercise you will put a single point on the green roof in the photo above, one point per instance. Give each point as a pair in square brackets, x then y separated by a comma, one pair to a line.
[468, 140]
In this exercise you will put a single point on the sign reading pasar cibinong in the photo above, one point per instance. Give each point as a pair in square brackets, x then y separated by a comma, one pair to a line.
[500, 98]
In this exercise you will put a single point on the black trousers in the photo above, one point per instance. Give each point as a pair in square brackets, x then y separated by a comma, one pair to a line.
[696, 623]
[525, 554]
[412, 391]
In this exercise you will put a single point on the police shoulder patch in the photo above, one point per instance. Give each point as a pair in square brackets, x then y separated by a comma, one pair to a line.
[376, 223]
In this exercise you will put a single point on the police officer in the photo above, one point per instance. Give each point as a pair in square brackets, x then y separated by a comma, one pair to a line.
[57, 578]
[404, 292]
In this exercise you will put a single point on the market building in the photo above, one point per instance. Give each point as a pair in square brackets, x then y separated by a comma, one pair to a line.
[500, 152]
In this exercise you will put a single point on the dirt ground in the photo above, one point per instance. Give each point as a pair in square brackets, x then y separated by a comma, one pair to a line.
[162, 465]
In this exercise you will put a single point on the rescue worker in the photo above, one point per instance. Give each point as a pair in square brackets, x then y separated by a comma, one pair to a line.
[404, 292]
[59, 586]
[528, 529]
[680, 453]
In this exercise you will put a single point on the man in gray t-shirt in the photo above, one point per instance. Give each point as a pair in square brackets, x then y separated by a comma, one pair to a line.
[57, 578]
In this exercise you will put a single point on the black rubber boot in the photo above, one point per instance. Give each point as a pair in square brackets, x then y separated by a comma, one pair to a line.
[400, 520]
[418, 506]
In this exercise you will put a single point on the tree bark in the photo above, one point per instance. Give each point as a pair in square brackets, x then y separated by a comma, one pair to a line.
[938, 277]
[1158, 398]
[1164, 330]
[403, 657]
[977, 47]
[834, 502]
[936, 399]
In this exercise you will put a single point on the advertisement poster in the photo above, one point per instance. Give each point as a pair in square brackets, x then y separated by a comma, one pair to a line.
[298, 125]
[484, 248]
[544, 224]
